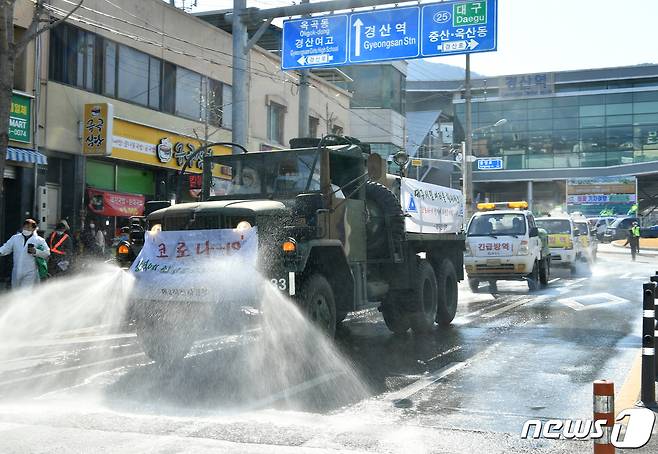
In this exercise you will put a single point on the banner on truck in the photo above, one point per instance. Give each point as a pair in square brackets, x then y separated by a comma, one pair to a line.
[601, 196]
[187, 264]
[431, 208]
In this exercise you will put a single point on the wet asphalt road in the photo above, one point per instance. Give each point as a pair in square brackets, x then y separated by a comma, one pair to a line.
[508, 357]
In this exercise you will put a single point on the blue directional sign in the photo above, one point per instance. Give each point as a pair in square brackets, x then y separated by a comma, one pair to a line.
[459, 27]
[314, 42]
[447, 28]
[490, 163]
[386, 34]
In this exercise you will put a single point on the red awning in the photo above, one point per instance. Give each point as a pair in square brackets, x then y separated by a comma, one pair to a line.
[106, 203]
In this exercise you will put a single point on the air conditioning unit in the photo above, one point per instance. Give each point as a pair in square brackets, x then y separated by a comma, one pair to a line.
[42, 206]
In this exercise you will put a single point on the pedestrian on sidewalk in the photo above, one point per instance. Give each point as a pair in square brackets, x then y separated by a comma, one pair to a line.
[29, 252]
[634, 239]
[61, 249]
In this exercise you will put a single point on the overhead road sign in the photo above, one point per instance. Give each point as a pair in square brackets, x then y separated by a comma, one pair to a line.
[401, 33]
[314, 42]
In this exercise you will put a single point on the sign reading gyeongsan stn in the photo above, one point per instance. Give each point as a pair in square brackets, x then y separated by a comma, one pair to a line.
[490, 163]
[402, 33]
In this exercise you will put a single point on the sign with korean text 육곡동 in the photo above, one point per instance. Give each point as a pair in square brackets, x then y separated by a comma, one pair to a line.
[431, 208]
[489, 163]
[97, 129]
[19, 118]
[523, 85]
[400, 33]
[314, 42]
[195, 265]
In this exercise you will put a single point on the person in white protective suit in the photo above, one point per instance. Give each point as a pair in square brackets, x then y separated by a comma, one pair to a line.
[25, 246]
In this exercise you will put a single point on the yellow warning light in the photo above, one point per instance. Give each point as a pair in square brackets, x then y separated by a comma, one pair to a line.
[523, 205]
[486, 206]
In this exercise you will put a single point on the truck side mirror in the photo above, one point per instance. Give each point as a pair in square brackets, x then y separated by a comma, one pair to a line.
[534, 231]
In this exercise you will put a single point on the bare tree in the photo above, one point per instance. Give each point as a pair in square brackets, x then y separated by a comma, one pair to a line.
[10, 49]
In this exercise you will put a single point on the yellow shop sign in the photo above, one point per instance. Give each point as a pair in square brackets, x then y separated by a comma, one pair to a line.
[155, 147]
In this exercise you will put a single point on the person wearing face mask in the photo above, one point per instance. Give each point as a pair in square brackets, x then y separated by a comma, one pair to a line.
[61, 250]
[93, 240]
[26, 246]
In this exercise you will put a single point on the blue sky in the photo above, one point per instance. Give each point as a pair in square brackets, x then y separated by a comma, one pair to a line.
[552, 35]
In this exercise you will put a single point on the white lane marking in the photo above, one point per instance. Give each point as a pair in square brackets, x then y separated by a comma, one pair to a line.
[426, 381]
[46, 342]
[69, 369]
[554, 280]
[575, 281]
[444, 353]
[289, 392]
[607, 300]
[625, 275]
[509, 307]
[467, 318]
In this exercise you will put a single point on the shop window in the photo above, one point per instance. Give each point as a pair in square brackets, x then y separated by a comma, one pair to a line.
[155, 76]
[72, 57]
[313, 126]
[227, 105]
[188, 93]
[220, 98]
[133, 75]
[20, 66]
[110, 69]
[275, 116]
[169, 88]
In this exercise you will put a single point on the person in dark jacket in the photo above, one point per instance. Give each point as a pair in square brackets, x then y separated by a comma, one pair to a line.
[61, 250]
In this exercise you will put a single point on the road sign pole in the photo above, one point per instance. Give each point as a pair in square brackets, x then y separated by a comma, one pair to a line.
[240, 106]
[304, 88]
[468, 145]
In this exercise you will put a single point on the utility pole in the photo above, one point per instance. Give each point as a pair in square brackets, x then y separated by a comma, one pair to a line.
[304, 88]
[468, 144]
[240, 105]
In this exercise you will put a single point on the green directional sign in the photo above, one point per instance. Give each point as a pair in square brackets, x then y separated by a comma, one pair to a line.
[469, 13]
[19, 118]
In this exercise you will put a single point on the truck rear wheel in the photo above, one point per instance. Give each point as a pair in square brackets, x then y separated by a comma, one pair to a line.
[447, 293]
[425, 299]
[395, 316]
[316, 299]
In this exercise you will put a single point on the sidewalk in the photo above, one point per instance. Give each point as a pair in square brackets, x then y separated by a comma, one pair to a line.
[608, 248]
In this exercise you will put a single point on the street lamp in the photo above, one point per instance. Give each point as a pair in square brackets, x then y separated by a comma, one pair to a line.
[467, 170]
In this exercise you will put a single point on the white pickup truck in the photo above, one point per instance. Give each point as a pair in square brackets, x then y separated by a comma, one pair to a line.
[503, 243]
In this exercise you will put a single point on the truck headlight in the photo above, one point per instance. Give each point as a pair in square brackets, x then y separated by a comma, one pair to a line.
[467, 251]
[243, 225]
[523, 248]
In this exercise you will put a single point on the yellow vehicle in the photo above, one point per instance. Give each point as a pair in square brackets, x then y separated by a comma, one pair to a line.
[562, 241]
[587, 242]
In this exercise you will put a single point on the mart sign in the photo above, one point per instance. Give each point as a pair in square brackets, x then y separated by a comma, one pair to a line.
[19, 118]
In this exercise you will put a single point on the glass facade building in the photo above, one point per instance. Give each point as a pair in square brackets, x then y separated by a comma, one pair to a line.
[589, 124]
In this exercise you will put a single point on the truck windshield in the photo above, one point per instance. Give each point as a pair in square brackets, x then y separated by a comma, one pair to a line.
[497, 225]
[554, 226]
[582, 228]
[270, 173]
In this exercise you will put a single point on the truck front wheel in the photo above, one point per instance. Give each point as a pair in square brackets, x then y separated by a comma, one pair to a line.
[447, 293]
[316, 299]
[425, 297]
[395, 316]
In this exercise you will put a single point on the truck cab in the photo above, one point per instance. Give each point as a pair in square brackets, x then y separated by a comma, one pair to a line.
[503, 243]
[562, 240]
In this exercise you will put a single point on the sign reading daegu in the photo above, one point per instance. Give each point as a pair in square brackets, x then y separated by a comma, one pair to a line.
[97, 134]
[19, 118]
[186, 264]
[431, 208]
[447, 28]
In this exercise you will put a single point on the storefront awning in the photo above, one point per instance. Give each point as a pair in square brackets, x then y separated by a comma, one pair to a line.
[26, 155]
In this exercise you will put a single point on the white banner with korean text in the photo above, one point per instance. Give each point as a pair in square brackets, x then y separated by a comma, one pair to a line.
[431, 208]
[195, 264]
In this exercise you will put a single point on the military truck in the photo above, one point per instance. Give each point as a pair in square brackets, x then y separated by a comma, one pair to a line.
[334, 233]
